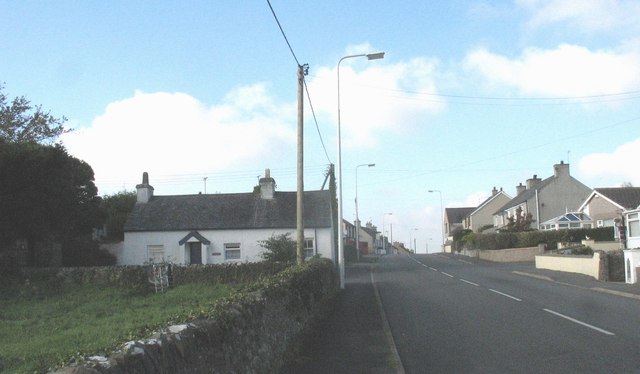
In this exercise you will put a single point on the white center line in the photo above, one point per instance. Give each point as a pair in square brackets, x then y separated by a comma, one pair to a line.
[434, 269]
[447, 274]
[579, 322]
[504, 294]
[469, 282]
[466, 262]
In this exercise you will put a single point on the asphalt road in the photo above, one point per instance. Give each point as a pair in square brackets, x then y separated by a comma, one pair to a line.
[449, 315]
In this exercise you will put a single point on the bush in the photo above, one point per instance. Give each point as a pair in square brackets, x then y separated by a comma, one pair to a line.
[83, 251]
[279, 248]
[350, 253]
[523, 239]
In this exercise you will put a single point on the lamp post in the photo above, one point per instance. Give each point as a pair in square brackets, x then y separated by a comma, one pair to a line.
[358, 217]
[383, 237]
[441, 216]
[370, 56]
[415, 249]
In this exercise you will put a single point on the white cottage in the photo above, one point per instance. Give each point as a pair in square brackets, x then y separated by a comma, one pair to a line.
[222, 228]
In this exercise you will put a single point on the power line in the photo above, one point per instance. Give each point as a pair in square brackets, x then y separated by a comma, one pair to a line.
[283, 34]
[304, 81]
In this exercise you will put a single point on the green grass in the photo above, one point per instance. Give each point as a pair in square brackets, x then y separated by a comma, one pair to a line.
[44, 326]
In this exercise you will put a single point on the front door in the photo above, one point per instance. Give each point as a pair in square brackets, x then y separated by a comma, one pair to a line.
[195, 253]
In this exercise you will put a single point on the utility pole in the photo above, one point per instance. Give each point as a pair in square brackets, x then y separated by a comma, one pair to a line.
[302, 70]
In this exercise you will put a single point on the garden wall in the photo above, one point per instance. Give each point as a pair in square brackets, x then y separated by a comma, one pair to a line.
[251, 332]
[595, 266]
[506, 255]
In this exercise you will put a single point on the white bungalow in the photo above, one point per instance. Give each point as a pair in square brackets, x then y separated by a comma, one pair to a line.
[222, 228]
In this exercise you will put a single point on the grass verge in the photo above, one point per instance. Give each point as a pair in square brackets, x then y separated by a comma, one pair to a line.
[44, 326]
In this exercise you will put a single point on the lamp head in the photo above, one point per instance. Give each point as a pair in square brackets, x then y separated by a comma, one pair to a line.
[375, 56]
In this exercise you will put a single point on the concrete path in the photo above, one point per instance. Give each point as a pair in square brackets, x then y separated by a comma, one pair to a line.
[354, 337]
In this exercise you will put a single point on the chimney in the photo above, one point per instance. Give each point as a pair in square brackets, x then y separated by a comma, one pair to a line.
[532, 182]
[144, 190]
[494, 192]
[520, 189]
[561, 170]
[267, 186]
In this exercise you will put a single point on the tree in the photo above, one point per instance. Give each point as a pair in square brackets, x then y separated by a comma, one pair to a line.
[279, 248]
[116, 209]
[521, 222]
[22, 122]
[45, 195]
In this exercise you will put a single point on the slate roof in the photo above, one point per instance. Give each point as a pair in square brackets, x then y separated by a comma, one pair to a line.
[456, 215]
[228, 211]
[626, 197]
[529, 193]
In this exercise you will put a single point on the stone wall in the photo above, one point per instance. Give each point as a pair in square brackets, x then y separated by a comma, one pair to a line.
[506, 255]
[253, 332]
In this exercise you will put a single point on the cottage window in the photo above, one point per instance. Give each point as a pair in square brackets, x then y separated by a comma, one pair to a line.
[232, 251]
[633, 220]
[309, 247]
[155, 253]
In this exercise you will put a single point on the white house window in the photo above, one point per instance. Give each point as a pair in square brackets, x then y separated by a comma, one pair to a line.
[155, 253]
[633, 220]
[232, 251]
[309, 247]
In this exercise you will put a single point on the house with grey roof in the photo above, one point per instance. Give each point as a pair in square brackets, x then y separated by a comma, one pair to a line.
[453, 219]
[482, 216]
[222, 228]
[606, 206]
[544, 199]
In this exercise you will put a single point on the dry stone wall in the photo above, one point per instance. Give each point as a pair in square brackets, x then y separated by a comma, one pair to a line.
[250, 333]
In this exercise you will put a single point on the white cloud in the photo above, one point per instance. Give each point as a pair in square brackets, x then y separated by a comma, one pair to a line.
[585, 15]
[619, 164]
[175, 134]
[375, 97]
[566, 71]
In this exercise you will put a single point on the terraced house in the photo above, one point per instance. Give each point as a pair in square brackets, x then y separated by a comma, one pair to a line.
[222, 228]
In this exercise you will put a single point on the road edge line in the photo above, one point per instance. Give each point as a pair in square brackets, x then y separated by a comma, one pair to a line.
[385, 326]
[543, 277]
[617, 293]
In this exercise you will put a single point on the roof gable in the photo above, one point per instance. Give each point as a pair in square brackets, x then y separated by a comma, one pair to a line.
[624, 197]
[456, 215]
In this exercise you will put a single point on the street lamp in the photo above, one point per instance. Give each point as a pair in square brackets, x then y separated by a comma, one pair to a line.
[370, 56]
[414, 246]
[357, 217]
[441, 216]
[384, 251]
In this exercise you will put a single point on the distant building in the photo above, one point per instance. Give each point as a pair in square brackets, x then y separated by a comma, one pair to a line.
[544, 199]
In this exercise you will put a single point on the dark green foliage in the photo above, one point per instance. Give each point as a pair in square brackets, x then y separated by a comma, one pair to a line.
[279, 248]
[350, 253]
[524, 239]
[83, 251]
[46, 195]
[116, 209]
[22, 122]
[227, 273]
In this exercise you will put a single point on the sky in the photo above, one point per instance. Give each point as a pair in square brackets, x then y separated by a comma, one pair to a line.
[470, 95]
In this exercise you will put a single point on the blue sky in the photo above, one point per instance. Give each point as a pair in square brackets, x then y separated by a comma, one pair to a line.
[470, 95]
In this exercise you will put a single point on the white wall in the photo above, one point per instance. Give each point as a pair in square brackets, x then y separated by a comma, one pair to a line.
[136, 243]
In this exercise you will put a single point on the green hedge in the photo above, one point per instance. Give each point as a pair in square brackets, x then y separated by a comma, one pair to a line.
[137, 277]
[504, 240]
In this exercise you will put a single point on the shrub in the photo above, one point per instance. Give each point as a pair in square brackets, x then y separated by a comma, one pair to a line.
[279, 248]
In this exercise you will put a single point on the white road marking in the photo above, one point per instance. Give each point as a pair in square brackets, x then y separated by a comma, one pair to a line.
[579, 322]
[466, 262]
[469, 282]
[447, 274]
[504, 294]
[434, 269]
